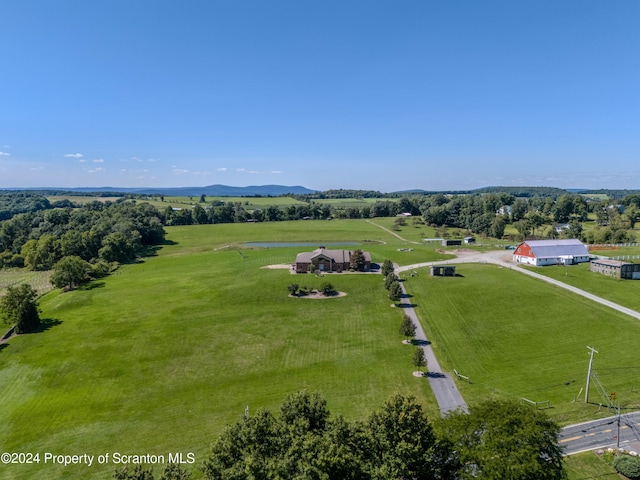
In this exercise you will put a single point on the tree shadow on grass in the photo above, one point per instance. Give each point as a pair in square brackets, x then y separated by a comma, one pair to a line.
[91, 286]
[3, 346]
[46, 324]
[406, 305]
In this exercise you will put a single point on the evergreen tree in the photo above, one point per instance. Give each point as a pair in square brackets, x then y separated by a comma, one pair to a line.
[357, 260]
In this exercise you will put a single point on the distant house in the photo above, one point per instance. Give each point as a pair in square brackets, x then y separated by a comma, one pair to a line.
[469, 240]
[561, 227]
[328, 260]
[551, 252]
[617, 269]
[504, 210]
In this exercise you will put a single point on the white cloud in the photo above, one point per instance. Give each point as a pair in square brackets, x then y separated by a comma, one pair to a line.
[97, 170]
[180, 171]
[82, 160]
[244, 170]
[4, 154]
[222, 169]
[276, 172]
[73, 155]
[36, 169]
[98, 160]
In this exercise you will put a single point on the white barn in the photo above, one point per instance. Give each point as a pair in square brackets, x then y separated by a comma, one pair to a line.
[551, 252]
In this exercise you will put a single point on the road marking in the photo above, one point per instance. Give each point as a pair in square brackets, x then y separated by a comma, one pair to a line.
[570, 439]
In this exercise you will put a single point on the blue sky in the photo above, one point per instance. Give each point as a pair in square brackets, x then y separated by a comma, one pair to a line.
[369, 94]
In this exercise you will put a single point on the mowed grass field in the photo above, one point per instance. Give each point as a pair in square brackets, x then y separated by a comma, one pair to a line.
[624, 292]
[516, 336]
[160, 356]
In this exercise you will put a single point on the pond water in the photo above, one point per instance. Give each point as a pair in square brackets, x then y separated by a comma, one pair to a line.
[296, 244]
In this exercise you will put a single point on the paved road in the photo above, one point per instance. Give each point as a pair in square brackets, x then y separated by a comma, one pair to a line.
[443, 387]
[602, 433]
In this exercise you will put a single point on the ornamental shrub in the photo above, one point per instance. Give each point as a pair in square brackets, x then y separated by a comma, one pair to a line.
[628, 466]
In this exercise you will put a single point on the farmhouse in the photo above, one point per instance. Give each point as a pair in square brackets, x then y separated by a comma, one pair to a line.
[551, 252]
[328, 260]
[617, 269]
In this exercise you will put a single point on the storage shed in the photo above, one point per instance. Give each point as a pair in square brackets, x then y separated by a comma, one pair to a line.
[616, 268]
[442, 270]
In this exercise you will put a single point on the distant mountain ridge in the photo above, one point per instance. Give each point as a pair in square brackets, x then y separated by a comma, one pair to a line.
[210, 190]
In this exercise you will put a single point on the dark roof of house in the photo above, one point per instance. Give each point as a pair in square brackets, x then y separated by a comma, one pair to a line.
[338, 256]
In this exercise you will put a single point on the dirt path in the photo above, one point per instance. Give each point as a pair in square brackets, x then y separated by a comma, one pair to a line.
[391, 232]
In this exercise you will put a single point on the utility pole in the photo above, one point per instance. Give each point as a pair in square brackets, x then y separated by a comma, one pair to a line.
[618, 436]
[586, 392]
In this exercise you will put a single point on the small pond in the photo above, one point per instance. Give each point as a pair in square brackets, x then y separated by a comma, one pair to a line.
[296, 244]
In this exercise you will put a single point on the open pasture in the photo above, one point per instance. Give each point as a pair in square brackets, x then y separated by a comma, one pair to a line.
[353, 202]
[515, 337]
[160, 356]
[624, 292]
[613, 251]
[368, 235]
[82, 199]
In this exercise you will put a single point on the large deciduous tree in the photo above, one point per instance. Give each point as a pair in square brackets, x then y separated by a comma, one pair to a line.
[407, 327]
[19, 307]
[504, 440]
[70, 272]
[403, 444]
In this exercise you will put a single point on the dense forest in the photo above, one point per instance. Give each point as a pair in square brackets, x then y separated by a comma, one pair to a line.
[95, 232]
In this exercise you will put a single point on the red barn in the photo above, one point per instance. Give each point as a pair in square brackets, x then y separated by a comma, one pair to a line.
[551, 252]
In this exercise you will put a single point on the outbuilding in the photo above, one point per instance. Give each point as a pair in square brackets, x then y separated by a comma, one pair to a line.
[442, 270]
[551, 252]
[616, 268]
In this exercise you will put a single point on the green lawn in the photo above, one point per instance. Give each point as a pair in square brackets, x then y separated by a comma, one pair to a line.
[587, 465]
[516, 336]
[162, 355]
[624, 292]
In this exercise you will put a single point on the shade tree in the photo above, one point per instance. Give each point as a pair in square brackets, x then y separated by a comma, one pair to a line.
[19, 307]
